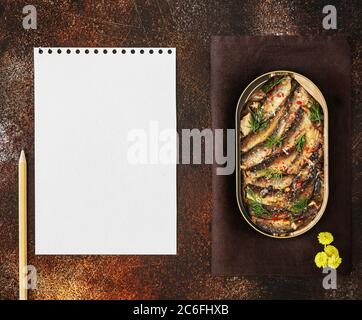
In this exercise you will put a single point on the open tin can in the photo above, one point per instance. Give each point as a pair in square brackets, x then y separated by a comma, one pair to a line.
[316, 94]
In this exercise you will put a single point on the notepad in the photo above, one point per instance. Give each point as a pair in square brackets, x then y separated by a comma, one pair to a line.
[102, 184]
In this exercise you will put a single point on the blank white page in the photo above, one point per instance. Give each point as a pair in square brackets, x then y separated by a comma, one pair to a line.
[89, 198]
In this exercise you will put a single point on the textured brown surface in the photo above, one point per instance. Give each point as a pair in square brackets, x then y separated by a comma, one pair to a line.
[188, 26]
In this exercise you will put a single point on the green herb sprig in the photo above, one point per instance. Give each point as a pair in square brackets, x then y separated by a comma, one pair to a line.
[256, 205]
[272, 173]
[299, 206]
[257, 120]
[271, 84]
[274, 140]
[315, 113]
[299, 144]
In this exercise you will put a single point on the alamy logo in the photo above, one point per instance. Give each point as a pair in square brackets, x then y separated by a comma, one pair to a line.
[330, 280]
[31, 277]
[166, 146]
[30, 20]
[330, 20]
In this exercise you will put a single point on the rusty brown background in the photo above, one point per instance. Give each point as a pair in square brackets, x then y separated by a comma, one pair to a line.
[187, 25]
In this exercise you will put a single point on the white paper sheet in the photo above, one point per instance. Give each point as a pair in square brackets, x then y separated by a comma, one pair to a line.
[88, 198]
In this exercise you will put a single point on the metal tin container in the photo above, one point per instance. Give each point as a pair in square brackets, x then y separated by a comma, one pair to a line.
[313, 90]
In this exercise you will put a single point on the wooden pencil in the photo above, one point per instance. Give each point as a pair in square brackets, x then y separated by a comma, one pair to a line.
[22, 228]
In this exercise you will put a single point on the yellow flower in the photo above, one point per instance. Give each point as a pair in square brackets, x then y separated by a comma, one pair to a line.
[325, 238]
[321, 259]
[331, 251]
[334, 261]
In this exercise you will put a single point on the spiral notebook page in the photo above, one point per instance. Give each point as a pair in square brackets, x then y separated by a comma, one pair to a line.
[105, 150]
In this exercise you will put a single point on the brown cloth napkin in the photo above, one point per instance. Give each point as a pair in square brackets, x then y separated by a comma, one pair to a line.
[237, 249]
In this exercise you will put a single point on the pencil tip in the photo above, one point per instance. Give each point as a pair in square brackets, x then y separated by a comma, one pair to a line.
[22, 156]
